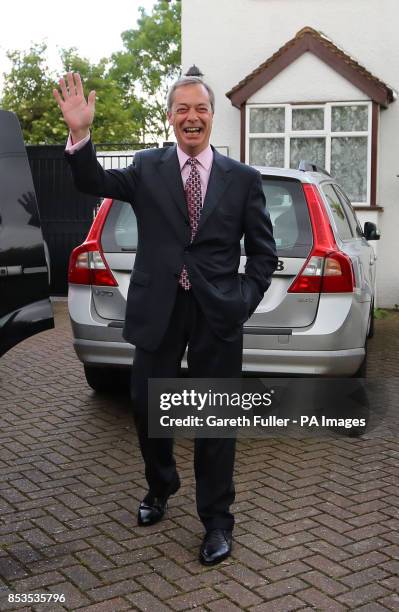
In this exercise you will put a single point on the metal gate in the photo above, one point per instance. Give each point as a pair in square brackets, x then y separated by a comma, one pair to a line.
[65, 213]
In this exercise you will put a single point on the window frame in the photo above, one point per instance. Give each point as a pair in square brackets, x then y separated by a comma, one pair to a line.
[324, 133]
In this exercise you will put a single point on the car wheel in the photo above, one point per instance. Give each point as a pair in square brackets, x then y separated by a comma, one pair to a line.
[107, 380]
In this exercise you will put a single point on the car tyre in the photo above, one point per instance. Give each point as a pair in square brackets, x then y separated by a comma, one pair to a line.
[107, 380]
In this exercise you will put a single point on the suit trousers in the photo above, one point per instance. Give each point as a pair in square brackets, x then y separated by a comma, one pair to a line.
[207, 356]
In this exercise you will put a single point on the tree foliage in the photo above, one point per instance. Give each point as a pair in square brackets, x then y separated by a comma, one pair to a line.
[151, 62]
[28, 93]
[114, 122]
[131, 88]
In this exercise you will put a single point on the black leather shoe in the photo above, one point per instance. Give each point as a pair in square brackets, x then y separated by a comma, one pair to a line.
[152, 508]
[216, 546]
[151, 512]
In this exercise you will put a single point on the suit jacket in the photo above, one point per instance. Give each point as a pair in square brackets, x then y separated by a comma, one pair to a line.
[234, 206]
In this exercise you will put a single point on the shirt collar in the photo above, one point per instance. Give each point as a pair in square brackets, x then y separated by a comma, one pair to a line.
[205, 158]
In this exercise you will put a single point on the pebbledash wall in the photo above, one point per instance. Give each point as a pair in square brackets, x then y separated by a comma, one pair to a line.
[229, 39]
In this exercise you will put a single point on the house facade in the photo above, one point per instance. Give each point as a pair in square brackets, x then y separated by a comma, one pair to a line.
[309, 79]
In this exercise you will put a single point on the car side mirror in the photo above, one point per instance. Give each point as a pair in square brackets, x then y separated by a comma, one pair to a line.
[370, 231]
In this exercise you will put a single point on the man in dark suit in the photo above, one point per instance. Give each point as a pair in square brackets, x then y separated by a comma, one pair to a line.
[192, 205]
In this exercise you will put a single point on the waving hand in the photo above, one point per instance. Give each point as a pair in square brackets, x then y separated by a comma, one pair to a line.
[77, 112]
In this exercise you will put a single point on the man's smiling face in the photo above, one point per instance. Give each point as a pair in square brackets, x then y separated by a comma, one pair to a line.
[191, 116]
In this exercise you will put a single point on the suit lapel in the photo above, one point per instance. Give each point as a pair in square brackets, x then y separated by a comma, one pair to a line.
[218, 181]
[170, 171]
[219, 178]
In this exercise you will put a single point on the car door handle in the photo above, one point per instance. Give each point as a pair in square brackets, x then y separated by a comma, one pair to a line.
[35, 270]
[10, 271]
[13, 270]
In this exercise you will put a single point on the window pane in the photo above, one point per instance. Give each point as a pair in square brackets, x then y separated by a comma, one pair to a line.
[308, 119]
[309, 149]
[267, 120]
[341, 222]
[349, 165]
[349, 118]
[289, 214]
[120, 230]
[350, 213]
[266, 152]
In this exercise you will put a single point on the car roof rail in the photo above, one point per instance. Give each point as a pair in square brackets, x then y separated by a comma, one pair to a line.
[307, 166]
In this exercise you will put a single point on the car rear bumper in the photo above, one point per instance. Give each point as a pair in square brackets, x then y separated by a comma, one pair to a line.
[305, 363]
[97, 352]
[332, 346]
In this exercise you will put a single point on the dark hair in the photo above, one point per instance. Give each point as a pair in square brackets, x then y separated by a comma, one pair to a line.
[189, 80]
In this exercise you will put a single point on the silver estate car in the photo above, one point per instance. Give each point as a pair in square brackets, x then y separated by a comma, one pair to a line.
[315, 319]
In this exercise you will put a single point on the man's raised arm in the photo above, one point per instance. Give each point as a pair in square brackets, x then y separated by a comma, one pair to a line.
[89, 175]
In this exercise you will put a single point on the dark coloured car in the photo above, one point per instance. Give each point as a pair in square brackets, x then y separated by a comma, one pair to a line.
[25, 307]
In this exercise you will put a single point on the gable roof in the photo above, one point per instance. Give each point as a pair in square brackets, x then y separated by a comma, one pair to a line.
[317, 43]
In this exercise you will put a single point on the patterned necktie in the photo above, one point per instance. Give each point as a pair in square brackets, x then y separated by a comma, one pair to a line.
[194, 205]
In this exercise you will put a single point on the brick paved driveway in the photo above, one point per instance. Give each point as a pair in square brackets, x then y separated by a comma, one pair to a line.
[317, 519]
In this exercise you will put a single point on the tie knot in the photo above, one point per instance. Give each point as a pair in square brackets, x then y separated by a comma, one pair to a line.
[192, 161]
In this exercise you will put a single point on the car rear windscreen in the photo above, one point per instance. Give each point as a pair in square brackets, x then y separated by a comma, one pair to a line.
[120, 229]
[286, 203]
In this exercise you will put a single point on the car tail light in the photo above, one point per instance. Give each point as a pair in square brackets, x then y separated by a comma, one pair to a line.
[87, 265]
[338, 274]
[327, 269]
